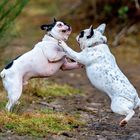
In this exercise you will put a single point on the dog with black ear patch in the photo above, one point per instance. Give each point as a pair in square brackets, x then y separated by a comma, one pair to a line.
[103, 71]
[44, 60]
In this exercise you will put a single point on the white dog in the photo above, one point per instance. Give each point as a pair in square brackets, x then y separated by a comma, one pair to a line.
[44, 60]
[103, 71]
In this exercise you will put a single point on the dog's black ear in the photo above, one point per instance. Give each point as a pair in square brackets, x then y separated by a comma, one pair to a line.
[91, 33]
[47, 27]
[91, 28]
[43, 27]
[54, 19]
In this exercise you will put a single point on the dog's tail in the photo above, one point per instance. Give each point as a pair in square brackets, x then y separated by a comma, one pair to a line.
[2, 74]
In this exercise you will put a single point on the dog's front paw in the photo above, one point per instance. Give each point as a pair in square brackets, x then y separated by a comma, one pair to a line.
[62, 43]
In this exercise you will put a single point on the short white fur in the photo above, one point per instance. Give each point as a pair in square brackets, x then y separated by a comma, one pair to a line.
[44, 60]
[104, 73]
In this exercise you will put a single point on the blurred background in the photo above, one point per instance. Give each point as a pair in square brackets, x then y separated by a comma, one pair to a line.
[20, 22]
[66, 105]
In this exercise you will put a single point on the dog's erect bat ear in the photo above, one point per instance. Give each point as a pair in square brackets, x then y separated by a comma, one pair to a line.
[54, 20]
[91, 32]
[91, 27]
[46, 27]
[101, 28]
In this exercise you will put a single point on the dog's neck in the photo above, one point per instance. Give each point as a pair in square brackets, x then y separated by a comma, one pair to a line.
[97, 43]
[50, 37]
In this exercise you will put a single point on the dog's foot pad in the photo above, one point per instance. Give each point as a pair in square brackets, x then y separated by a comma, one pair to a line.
[123, 123]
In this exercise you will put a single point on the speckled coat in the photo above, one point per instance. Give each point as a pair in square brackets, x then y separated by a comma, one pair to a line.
[103, 71]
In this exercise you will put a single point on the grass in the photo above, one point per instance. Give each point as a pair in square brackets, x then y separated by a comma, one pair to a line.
[2, 104]
[43, 88]
[38, 123]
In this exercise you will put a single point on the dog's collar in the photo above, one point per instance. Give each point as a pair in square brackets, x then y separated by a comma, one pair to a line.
[96, 43]
[48, 36]
[51, 36]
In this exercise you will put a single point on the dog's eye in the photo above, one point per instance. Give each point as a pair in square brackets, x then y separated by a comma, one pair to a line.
[81, 34]
[59, 25]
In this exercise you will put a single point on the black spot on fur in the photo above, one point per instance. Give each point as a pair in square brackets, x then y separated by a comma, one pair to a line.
[11, 63]
[91, 33]
[65, 23]
[81, 34]
[47, 27]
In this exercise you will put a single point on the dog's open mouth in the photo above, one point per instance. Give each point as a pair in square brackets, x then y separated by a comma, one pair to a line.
[64, 31]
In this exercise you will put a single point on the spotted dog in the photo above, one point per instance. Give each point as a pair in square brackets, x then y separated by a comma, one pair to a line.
[44, 60]
[103, 71]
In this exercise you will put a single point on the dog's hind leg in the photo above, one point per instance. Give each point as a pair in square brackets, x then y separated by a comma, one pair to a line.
[123, 107]
[14, 91]
[129, 114]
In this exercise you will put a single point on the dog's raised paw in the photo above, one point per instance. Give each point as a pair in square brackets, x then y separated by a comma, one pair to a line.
[61, 43]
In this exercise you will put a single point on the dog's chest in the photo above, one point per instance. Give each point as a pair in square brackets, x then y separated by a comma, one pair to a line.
[102, 62]
[98, 56]
[59, 49]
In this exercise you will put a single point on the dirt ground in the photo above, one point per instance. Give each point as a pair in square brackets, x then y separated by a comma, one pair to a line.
[93, 107]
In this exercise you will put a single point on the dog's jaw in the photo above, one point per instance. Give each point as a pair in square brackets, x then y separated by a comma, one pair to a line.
[67, 35]
[59, 35]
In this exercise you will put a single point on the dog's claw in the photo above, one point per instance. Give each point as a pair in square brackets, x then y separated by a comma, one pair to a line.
[59, 42]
